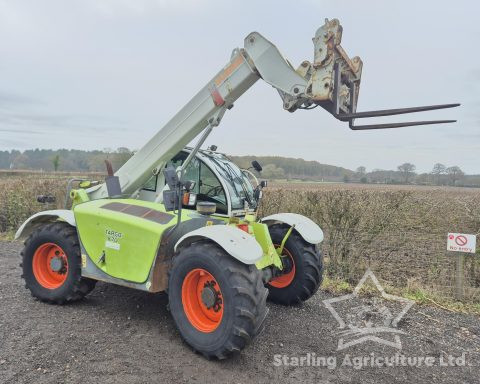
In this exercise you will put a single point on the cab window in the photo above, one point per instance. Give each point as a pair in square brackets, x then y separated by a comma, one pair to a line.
[211, 189]
[151, 184]
[207, 185]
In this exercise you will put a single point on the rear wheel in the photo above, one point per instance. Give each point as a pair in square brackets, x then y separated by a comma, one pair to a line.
[218, 303]
[52, 265]
[302, 265]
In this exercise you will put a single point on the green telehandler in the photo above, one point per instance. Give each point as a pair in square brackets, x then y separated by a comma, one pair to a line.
[184, 219]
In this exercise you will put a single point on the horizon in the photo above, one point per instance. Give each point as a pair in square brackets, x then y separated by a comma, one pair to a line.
[112, 151]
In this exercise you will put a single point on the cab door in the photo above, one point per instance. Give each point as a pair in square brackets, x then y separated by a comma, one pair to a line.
[210, 189]
[207, 185]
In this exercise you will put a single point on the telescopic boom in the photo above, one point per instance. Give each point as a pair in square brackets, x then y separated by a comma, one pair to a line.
[332, 82]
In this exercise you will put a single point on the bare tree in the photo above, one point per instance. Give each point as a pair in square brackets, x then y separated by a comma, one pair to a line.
[438, 170]
[454, 173]
[361, 174]
[407, 170]
[361, 171]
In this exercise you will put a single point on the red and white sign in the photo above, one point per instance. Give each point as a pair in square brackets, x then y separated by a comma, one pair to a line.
[461, 242]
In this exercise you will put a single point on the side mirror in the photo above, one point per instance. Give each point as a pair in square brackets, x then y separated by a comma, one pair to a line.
[263, 183]
[256, 165]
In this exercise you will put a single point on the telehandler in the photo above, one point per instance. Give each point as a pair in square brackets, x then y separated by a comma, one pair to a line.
[183, 219]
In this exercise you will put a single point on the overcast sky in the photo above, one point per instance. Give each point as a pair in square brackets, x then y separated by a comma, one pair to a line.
[92, 74]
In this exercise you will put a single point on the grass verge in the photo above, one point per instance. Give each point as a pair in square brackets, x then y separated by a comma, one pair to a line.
[420, 296]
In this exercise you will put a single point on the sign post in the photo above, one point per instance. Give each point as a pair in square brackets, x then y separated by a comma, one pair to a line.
[459, 276]
[461, 243]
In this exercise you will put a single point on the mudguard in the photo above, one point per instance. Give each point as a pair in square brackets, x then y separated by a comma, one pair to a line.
[40, 218]
[307, 228]
[234, 241]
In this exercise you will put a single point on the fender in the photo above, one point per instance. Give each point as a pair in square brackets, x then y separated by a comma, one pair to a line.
[307, 228]
[43, 217]
[234, 241]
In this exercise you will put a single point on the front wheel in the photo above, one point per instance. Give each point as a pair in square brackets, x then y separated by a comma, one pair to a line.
[218, 303]
[303, 269]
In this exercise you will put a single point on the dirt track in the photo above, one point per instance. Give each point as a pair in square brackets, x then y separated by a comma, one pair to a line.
[118, 335]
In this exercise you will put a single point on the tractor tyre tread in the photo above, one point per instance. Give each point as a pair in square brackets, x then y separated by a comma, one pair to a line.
[75, 287]
[247, 294]
[308, 263]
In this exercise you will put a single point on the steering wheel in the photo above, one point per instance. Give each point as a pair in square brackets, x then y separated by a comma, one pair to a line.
[214, 190]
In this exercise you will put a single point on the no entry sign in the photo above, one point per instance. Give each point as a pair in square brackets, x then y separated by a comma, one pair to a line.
[461, 242]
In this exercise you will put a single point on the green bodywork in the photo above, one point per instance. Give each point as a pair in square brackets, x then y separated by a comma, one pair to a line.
[270, 255]
[123, 241]
[122, 245]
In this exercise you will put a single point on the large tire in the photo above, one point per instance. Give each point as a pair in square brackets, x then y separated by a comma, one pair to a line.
[216, 331]
[51, 265]
[305, 275]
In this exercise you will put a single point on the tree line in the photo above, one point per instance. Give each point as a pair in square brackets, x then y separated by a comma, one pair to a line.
[64, 159]
[405, 174]
[277, 167]
[274, 167]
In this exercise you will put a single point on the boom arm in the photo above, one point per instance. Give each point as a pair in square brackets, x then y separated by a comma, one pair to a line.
[332, 82]
[205, 108]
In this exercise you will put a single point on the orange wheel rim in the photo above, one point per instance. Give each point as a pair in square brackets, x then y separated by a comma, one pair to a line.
[50, 265]
[202, 300]
[286, 279]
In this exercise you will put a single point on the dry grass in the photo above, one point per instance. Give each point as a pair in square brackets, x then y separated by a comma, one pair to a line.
[398, 231]
[19, 190]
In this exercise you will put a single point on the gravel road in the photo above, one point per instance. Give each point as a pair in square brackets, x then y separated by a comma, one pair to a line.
[119, 335]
